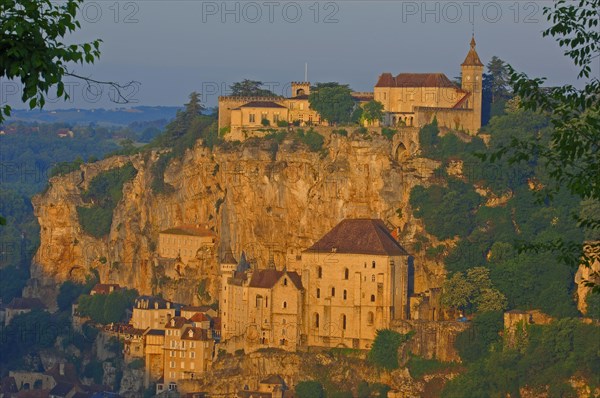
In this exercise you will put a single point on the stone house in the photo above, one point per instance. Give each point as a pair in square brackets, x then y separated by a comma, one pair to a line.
[21, 305]
[184, 241]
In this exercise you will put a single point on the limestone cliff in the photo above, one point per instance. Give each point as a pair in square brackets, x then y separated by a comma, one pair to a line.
[258, 197]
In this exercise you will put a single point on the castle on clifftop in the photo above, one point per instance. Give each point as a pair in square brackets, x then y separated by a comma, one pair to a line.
[409, 99]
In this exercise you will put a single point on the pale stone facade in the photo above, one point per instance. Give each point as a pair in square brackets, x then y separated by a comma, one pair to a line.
[357, 281]
[184, 242]
[409, 99]
[353, 281]
[151, 313]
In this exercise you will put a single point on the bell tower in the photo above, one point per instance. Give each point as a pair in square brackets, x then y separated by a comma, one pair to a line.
[472, 76]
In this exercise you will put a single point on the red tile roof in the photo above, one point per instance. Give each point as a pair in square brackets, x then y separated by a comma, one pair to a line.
[415, 80]
[194, 334]
[176, 322]
[472, 58]
[25, 303]
[262, 104]
[199, 317]
[105, 288]
[267, 278]
[359, 236]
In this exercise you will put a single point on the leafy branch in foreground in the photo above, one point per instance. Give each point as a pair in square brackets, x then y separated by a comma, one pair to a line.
[571, 151]
[32, 48]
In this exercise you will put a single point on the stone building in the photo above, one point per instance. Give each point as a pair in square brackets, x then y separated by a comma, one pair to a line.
[413, 99]
[262, 308]
[21, 305]
[354, 280]
[240, 115]
[409, 99]
[188, 350]
[357, 279]
[151, 312]
[184, 241]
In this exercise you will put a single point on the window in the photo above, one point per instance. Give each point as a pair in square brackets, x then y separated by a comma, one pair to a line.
[318, 293]
[284, 305]
[172, 364]
[373, 264]
[301, 106]
[319, 272]
[193, 344]
[372, 278]
[333, 292]
[372, 298]
[276, 117]
[343, 321]
[182, 354]
[192, 354]
[346, 273]
[284, 281]
[345, 295]
[266, 302]
[172, 354]
[316, 320]
[251, 118]
[370, 318]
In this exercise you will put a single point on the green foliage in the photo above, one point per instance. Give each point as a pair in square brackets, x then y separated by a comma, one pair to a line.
[419, 367]
[107, 308]
[312, 139]
[388, 133]
[333, 101]
[94, 370]
[342, 132]
[32, 47]
[250, 88]
[384, 352]
[372, 111]
[136, 364]
[12, 282]
[475, 342]
[69, 292]
[310, 389]
[448, 146]
[553, 354]
[103, 194]
[593, 305]
[282, 123]
[447, 211]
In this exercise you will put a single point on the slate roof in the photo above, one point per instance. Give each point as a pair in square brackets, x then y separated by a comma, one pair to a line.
[25, 303]
[359, 236]
[415, 80]
[267, 278]
[228, 258]
[176, 322]
[197, 334]
[262, 104]
[472, 56]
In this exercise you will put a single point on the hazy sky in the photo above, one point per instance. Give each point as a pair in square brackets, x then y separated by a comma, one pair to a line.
[175, 47]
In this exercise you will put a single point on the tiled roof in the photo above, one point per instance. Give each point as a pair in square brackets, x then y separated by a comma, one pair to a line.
[228, 258]
[176, 322]
[267, 278]
[359, 236]
[415, 80]
[189, 230]
[262, 104]
[194, 334]
[199, 317]
[105, 288]
[472, 56]
[155, 332]
[25, 303]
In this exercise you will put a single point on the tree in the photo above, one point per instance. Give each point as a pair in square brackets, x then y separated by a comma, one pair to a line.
[457, 292]
[570, 152]
[33, 51]
[309, 389]
[250, 88]
[498, 73]
[384, 352]
[372, 110]
[473, 292]
[333, 101]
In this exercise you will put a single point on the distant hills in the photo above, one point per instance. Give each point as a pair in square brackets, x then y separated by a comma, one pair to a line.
[118, 116]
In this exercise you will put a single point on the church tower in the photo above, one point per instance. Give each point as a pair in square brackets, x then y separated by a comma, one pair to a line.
[472, 76]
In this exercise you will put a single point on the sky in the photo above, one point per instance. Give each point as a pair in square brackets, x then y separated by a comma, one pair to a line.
[175, 47]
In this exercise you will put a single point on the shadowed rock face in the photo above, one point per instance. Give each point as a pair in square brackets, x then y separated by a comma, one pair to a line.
[257, 201]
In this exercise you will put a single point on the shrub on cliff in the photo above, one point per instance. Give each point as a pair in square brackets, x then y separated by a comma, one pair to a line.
[309, 389]
[103, 194]
[384, 352]
[107, 308]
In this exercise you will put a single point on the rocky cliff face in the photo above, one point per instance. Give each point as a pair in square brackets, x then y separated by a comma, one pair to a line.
[260, 198]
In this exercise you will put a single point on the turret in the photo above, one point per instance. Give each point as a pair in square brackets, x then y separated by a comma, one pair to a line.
[472, 76]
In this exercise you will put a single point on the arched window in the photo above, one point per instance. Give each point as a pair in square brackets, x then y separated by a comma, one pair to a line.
[373, 264]
[284, 281]
[284, 305]
[319, 272]
[346, 273]
[370, 318]
[345, 295]
[333, 292]
[318, 293]
[372, 298]
[372, 278]
[316, 320]
[343, 321]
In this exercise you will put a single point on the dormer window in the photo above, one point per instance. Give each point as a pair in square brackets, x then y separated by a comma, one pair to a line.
[284, 281]
[191, 333]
